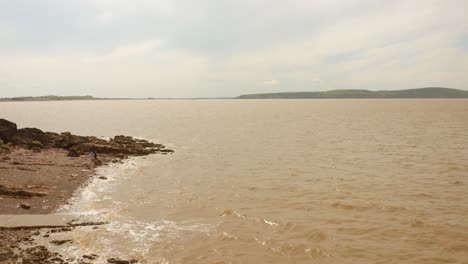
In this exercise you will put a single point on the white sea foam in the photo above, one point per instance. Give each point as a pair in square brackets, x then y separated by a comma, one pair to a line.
[121, 237]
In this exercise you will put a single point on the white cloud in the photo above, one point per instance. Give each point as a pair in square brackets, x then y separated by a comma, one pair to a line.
[222, 48]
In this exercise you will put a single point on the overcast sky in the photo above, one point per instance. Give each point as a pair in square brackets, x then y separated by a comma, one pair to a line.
[204, 48]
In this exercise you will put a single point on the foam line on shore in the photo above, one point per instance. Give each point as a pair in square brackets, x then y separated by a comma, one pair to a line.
[94, 202]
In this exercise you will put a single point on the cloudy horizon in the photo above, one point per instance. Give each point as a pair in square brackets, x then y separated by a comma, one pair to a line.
[175, 48]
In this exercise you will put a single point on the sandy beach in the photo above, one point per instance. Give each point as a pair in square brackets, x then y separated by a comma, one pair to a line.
[40, 172]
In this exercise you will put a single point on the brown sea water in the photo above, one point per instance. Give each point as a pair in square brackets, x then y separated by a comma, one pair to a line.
[273, 181]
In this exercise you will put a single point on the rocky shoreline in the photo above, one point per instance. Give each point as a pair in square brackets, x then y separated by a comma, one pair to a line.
[40, 171]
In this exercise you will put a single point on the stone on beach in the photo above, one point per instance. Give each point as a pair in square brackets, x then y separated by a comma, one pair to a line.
[7, 130]
[29, 137]
[25, 206]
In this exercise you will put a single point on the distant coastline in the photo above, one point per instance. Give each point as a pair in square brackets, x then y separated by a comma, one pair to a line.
[428, 92]
[54, 98]
[90, 98]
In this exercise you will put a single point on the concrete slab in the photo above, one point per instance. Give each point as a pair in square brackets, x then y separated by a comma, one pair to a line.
[33, 221]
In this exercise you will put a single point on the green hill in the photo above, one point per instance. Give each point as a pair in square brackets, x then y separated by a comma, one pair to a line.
[429, 92]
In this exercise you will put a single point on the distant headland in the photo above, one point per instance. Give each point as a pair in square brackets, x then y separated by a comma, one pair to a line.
[48, 98]
[428, 92]
[89, 97]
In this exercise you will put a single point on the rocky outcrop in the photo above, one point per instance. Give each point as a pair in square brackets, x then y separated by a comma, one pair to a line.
[17, 193]
[120, 146]
[7, 130]
[31, 137]
[121, 261]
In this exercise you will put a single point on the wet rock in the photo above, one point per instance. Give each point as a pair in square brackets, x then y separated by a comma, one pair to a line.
[7, 130]
[39, 254]
[29, 137]
[60, 242]
[25, 206]
[87, 224]
[59, 230]
[120, 261]
[18, 193]
[92, 256]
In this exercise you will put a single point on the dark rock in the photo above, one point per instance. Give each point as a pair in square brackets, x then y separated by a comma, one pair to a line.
[39, 254]
[87, 224]
[18, 194]
[118, 147]
[92, 256]
[120, 261]
[26, 137]
[25, 206]
[60, 242]
[102, 178]
[7, 130]
[69, 140]
[35, 144]
[53, 139]
[123, 139]
[73, 153]
[59, 230]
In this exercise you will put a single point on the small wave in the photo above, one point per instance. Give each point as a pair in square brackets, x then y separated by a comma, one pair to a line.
[121, 237]
[230, 212]
[126, 240]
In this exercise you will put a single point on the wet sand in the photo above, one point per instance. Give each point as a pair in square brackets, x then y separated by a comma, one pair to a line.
[37, 183]
[40, 172]
[44, 180]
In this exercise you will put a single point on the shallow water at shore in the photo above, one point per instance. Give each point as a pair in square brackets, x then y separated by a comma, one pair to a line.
[287, 181]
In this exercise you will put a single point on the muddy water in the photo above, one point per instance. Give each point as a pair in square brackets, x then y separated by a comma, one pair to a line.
[287, 181]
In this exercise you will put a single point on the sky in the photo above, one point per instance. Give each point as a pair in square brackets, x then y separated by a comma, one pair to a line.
[220, 48]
